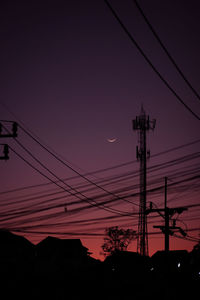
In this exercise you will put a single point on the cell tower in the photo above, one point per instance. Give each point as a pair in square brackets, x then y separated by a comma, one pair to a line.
[143, 124]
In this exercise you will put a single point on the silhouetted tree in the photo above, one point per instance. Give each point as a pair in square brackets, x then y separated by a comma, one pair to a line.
[117, 240]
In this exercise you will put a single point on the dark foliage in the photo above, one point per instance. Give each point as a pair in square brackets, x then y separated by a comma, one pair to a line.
[117, 239]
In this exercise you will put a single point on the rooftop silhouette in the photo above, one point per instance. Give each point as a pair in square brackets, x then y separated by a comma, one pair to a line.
[55, 266]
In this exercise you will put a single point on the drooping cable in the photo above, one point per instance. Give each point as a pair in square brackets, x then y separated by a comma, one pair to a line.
[165, 49]
[149, 61]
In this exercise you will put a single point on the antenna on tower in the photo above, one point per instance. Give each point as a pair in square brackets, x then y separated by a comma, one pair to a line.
[142, 123]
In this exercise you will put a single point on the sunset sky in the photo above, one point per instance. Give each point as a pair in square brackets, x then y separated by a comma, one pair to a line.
[72, 79]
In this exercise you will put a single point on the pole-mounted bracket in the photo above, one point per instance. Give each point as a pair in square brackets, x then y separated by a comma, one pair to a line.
[14, 131]
[5, 151]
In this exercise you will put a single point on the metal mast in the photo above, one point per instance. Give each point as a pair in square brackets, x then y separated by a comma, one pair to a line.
[143, 124]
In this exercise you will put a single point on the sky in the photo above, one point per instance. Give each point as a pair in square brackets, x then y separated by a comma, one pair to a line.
[72, 78]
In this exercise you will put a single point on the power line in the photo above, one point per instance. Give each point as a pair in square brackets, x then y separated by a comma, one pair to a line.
[65, 164]
[120, 178]
[149, 61]
[60, 180]
[124, 189]
[68, 166]
[28, 212]
[80, 209]
[89, 173]
[165, 49]
[25, 126]
[85, 198]
[171, 184]
[102, 170]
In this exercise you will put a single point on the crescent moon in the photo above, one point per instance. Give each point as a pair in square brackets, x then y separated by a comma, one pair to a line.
[111, 140]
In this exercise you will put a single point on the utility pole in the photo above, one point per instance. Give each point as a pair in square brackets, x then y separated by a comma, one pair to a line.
[143, 124]
[7, 134]
[167, 230]
[166, 220]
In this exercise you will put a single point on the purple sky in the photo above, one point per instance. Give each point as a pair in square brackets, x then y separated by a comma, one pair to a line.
[72, 76]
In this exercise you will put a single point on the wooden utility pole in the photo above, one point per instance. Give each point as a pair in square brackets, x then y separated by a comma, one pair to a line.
[167, 230]
[166, 220]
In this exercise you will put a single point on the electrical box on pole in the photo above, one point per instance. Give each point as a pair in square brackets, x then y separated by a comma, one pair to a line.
[7, 134]
[5, 151]
[166, 229]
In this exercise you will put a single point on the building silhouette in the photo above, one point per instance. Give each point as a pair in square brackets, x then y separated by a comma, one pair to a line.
[56, 268]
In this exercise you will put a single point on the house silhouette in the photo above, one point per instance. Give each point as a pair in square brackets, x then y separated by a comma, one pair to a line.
[61, 258]
[56, 268]
[54, 247]
[16, 254]
[50, 269]
[126, 268]
[174, 261]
